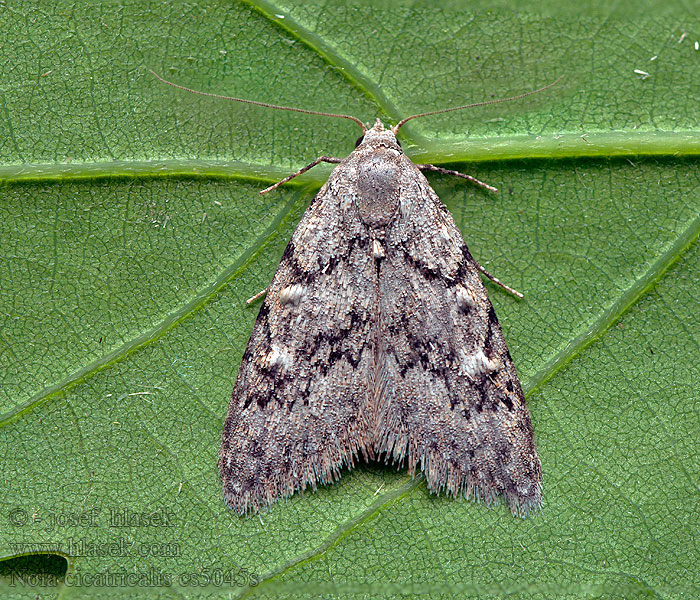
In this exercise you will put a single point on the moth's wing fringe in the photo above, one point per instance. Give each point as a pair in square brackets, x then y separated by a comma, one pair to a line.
[322, 469]
[443, 477]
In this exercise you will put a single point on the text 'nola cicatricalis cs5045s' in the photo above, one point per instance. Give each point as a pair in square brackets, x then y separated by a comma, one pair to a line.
[377, 338]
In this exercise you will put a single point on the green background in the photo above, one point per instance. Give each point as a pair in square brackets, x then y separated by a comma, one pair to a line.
[132, 233]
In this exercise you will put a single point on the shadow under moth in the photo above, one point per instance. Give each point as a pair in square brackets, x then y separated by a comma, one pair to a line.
[377, 338]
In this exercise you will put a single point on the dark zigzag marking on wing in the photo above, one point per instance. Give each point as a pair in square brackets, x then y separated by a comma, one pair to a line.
[335, 339]
[419, 347]
[417, 344]
[273, 373]
[466, 265]
[301, 274]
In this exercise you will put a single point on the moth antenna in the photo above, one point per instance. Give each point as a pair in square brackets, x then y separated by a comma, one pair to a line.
[444, 110]
[301, 110]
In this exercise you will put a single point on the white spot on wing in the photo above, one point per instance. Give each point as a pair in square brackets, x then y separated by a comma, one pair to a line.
[292, 294]
[279, 357]
[465, 298]
[478, 364]
[444, 232]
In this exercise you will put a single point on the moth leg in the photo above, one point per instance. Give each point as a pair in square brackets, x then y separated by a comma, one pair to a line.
[458, 174]
[260, 294]
[320, 159]
[498, 282]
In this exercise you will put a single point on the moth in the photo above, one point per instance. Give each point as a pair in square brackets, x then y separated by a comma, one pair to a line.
[377, 339]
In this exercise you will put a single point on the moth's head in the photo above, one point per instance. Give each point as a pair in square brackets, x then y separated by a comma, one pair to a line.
[377, 137]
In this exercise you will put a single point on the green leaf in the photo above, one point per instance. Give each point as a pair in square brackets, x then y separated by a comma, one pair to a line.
[132, 233]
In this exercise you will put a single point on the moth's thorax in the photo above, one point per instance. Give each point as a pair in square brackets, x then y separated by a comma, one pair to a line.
[378, 180]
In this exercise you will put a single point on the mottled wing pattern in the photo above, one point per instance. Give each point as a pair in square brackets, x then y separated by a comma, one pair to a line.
[377, 338]
[300, 409]
[451, 402]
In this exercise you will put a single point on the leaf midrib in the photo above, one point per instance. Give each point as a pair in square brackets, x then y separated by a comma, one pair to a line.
[566, 146]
